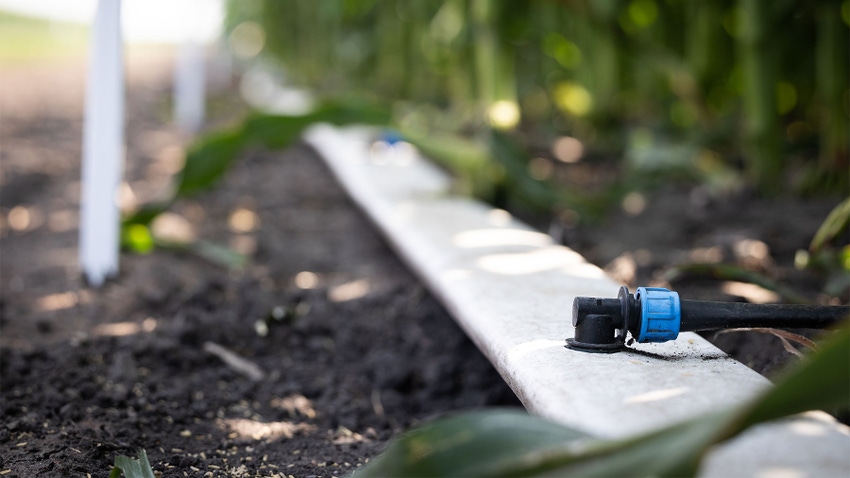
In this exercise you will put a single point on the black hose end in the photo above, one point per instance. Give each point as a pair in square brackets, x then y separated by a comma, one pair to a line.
[596, 333]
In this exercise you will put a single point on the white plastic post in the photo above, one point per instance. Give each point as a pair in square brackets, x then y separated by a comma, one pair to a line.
[189, 86]
[103, 147]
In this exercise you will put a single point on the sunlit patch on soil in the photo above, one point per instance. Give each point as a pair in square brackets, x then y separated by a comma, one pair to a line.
[173, 228]
[295, 404]
[634, 203]
[22, 218]
[61, 301]
[753, 293]
[306, 280]
[243, 220]
[255, 430]
[344, 436]
[120, 329]
[708, 255]
[350, 291]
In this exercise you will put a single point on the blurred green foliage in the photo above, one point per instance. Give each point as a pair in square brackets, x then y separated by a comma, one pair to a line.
[759, 87]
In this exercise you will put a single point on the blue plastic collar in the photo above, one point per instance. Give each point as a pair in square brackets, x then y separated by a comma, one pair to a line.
[660, 314]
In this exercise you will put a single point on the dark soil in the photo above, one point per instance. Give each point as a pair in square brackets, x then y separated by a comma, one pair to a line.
[351, 348]
[354, 351]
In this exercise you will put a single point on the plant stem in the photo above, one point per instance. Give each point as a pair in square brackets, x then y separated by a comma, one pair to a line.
[758, 67]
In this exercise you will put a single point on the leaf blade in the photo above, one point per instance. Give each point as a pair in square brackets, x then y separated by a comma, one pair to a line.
[208, 159]
[472, 444]
[140, 468]
[835, 222]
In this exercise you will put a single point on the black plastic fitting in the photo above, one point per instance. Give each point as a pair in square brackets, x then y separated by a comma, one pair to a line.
[658, 315]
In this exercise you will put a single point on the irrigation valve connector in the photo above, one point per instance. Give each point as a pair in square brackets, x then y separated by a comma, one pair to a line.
[654, 314]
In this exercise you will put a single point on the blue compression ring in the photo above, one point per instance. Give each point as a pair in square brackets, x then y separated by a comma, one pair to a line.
[660, 314]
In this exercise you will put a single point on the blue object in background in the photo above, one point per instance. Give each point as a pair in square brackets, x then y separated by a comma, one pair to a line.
[391, 137]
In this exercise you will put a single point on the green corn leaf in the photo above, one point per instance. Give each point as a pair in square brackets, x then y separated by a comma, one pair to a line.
[523, 445]
[835, 223]
[147, 213]
[473, 444]
[131, 468]
[213, 253]
[820, 383]
[280, 131]
[453, 151]
[208, 159]
[218, 254]
[275, 132]
[512, 444]
[345, 112]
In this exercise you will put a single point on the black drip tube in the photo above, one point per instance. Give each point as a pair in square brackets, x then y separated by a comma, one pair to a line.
[658, 315]
[701, 315]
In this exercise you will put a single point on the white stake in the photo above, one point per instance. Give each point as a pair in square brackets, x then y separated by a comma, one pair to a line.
[103, 147]
[189, 86]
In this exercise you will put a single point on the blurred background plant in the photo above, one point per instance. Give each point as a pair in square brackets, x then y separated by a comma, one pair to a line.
[549, 108]
[728, 94]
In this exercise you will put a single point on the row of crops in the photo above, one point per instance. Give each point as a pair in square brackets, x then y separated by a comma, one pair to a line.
[757, 86]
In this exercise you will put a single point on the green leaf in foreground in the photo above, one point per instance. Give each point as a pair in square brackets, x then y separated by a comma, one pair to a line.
[131, 468]
[472, 444]
[822, 382]
[501, 443]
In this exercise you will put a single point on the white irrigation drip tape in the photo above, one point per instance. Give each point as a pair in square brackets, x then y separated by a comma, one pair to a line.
[511, 289]
[103, 146]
